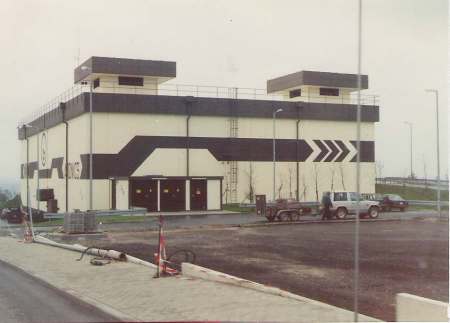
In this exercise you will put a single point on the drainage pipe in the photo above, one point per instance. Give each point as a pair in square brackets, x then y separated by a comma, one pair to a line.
[96, 252]
[76, 247]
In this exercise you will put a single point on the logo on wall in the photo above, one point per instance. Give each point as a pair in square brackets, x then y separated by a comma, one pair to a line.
[44, 149]
[74, 170]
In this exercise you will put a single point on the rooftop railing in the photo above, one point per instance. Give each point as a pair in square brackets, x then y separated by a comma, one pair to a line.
[207, 91]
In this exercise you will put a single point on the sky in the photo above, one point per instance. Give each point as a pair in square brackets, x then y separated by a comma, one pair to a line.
[239, 44]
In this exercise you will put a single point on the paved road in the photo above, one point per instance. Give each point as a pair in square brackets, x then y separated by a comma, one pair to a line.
[25, 299]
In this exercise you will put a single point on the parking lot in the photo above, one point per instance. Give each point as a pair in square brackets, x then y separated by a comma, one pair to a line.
[316, 260]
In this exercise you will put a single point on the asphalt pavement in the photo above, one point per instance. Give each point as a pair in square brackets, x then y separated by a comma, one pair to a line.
[26, 299]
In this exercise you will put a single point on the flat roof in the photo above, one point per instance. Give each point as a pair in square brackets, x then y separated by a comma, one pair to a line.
[325, 79]
[125, 66]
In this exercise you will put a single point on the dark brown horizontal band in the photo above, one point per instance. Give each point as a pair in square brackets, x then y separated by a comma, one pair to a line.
[195, 106]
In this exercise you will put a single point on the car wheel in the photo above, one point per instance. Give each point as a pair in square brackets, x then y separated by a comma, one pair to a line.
[341, 213]
[373, 212]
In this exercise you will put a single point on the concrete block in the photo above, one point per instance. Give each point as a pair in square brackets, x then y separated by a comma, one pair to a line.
[412, 308]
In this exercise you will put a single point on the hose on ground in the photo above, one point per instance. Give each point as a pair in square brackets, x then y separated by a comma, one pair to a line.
[96, 261]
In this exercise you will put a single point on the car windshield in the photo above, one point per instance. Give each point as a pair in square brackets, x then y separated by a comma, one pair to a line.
[395, 198]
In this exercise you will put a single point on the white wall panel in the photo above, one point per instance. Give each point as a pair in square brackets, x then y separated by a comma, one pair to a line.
[166, 162]
[213, 191]
[122, 188]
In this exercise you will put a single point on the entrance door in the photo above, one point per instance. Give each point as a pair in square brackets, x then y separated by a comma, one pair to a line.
[198, 194]
[144, 194]
[173, 195]
[113, 194]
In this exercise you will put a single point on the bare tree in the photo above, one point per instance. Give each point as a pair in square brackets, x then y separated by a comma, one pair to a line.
[304, 188]
[281, 184]
[333, 171]
[251, 184]
[425, 176]
[316, 181]
[227, 190]
[341, 173]
[378, 170]
[291, 173]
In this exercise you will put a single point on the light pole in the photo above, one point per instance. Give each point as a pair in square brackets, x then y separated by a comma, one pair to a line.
[30, 213]
[86, 68]
[411, 146]
[274, 149]
[358, 171]
[436, 92]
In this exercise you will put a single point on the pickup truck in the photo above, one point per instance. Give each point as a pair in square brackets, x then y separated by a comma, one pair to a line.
[344, 203]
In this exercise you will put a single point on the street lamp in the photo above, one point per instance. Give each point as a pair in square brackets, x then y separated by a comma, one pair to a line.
[30, 213]
[436, 92]
[274, 150]
[411, 145]
[87, 68]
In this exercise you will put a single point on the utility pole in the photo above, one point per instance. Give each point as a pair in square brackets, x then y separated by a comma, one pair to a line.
[274, 150]
[411, 147]
[436, 92]
[358, 171]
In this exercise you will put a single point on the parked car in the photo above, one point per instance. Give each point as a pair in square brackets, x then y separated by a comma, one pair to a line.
[390, 202]
[12, 215]
[15, 215]
[344, 203]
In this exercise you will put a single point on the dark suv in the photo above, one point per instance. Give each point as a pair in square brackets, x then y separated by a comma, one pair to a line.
[390, 202]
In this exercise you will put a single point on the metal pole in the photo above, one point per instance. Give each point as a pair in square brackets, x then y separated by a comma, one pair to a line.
[436, 92]
[37, 154]
[274, 151]
[358, 170]
[30, 213]
[438, 156]
[90, 147]
[273, 155]
[411, 147]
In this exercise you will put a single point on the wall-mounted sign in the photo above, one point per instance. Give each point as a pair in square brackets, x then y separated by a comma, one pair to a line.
[74, 170]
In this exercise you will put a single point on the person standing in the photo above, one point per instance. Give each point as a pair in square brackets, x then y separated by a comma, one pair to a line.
[327, 205]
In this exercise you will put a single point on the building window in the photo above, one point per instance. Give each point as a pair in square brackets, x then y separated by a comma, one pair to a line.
[129, 80]
[295, 93]
[96, 83]
[329, 91]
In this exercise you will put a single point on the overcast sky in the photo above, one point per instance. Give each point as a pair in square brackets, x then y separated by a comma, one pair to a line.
[238, 43]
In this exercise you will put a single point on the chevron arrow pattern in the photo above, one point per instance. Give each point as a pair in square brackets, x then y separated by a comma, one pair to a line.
[332, 150]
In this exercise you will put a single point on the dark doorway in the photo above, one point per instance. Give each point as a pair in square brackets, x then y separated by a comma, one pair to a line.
[113, 194]
[173, 195]
[144, 194]
[198, 194]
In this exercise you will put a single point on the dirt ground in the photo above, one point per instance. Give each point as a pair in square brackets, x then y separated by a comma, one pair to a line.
[316, 260]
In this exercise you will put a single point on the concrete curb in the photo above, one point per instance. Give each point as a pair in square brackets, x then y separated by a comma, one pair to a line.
[114, 313]
[194, 271]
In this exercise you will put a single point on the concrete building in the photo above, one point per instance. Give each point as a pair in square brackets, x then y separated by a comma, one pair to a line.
[173, 147]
